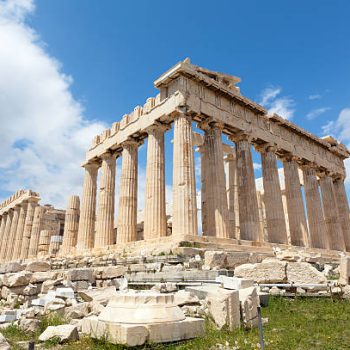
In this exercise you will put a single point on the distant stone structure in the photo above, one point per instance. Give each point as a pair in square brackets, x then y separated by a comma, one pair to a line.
[25, 226]
[233, 213]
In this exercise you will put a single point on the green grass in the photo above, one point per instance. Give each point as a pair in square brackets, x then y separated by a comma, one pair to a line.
[294, 324]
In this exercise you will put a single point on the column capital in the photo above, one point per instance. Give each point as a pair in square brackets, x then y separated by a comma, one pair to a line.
[131, 142]
[338, 177]
[109, 154]
[157, 127]
[209, 124]
[266, 147]
[305, 165]
[241, 136]
[230, 157]
[91, 165]
[288, 157]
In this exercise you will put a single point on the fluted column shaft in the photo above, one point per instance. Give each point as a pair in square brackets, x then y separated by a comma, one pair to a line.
[6, 235]
[317, 228]
[275, 218]
[44, 242]
[105, 214]
[247, 198]
[12, 236]
[295, 204]
[155, 224]
[20, 230]
[27, 229]
[217, 208]
[71, 225]
[232, 192]
[37, 227]
[343, 210]
[86, 229]
[184, 183]
[2, 229]
[331, 214]
[204, 200]
[127, 215]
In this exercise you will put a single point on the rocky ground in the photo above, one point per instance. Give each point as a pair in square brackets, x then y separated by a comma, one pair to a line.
[70, 290]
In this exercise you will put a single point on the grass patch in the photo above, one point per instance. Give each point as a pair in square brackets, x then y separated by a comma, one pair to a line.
[53, 319]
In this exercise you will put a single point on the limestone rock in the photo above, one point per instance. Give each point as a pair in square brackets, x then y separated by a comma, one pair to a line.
[304, 273]
[167, 287]
[185, 298]
[64, 332]
[224, 308]
[4, 345]
[78, 311]
[18, 279]
[235, 259]
[38, 266]
[39, 277]
[268, 271]
[344, 270]
[214, 259]
[30, 289]
[101, 296]
[234, 282]
[50, 285]
[249, 301]
[110, 272]
[30, 325]
[11, 267]
[83, 274]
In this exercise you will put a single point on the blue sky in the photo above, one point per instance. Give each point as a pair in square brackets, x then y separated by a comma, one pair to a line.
[74, 67]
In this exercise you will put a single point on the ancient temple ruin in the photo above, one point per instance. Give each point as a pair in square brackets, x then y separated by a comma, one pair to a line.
[230, 205]
[309, 210]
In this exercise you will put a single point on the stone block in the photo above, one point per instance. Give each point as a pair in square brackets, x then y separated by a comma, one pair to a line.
[234, 259]
[268, 271]
[4, 345]
[66, 293]
[249, 302]
[64, 332]
[101, 296]
[344, 270]
[38, 266]
[11, 267]
[83, 274]
[111, 272]
[304, 273]
[183, 297]
[18, 279]
[234, 283]
[39, 277]
[215, 259]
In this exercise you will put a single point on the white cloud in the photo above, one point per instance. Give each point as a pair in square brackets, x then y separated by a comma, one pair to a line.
[257, 166]
[317, 112]
[281, 105]
[314, 97]
[43, 132]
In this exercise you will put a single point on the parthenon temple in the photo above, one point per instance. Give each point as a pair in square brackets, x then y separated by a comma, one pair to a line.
[309, 209]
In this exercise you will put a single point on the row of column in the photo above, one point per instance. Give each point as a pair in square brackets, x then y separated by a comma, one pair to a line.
[328, 224]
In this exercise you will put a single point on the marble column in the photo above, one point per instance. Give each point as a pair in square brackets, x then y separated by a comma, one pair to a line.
[155, 223]
[232, 193]
[44, 242]
[127, 215]
[343, 209]
[2, 228]
[36, 228]
[331, 214]
[317, 227]
[71, 225]
[184, 183]
[12, 236]
[86, 229]
[217, 208]
[55, 244]
[247, 197]
[204, 210]
[6, 235]
[20, 230]
[275, 219]
[105, 235]
[27, 229]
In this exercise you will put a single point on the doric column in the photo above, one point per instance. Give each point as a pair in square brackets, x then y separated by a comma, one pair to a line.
[232, 192]
[343, 209]
[86, 229]
[155, 224]
[12, 236]
[217, 208]
[295, 204]
[44, 242]
[37, 227]
[2, 229]
[55, 244]
[275, 219]
[317, 228]
[127, 215]
[28, 229]
[247, 198]
[331, 214]
[6, 235]
[105, 214]
[71, 225]
[20, 230]
[184, 183]
[204, 200]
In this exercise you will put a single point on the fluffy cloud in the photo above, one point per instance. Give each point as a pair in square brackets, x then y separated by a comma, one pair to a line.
[281, 105]
[317, 112]
[44, 134]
